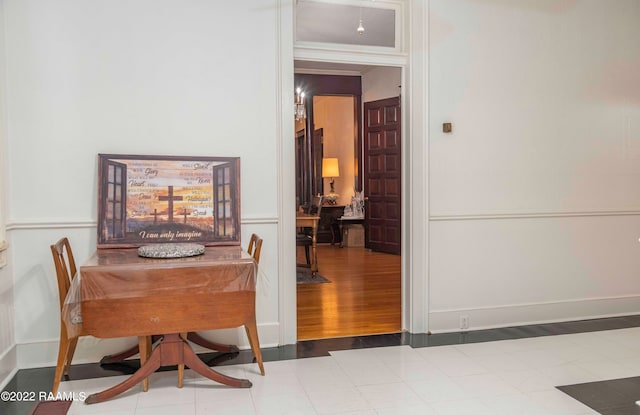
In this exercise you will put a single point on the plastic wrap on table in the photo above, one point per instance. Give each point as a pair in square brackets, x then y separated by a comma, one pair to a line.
[127, 295]
[220, 269]
[72, 309]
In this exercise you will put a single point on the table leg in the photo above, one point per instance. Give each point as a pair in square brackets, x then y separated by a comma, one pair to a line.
[113, 358]
[152, 364]
[172, 350]
[193, 361]
[335, 232]
[314, 252]
[201, 341]
[183, 336]
[144, 345]
[118, 358]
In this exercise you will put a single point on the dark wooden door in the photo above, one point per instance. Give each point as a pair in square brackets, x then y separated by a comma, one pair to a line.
[382, 176]
[308, 167]
[317, 151]
[302, 190]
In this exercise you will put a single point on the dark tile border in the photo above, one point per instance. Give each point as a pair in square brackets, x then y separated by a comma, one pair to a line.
[609, 397]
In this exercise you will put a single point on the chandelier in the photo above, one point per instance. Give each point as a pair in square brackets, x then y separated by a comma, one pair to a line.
[299, 108]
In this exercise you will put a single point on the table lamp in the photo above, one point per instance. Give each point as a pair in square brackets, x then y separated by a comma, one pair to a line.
[330, 169]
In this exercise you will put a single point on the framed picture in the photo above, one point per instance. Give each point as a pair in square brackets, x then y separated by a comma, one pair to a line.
[162, 199]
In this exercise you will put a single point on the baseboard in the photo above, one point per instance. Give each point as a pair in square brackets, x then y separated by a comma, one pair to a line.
[445, 321]
[8, 366]
[91, 349]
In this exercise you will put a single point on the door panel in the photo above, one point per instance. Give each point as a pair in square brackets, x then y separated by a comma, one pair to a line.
[382, 150]
[391, 139]
[374, 116]
[392, 163]
[391, 115]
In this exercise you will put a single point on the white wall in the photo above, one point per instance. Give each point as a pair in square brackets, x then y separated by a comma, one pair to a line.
[380, 83]
[335, 115]
[8, 359]
[535, 196]
[143, 77]
[8, 355]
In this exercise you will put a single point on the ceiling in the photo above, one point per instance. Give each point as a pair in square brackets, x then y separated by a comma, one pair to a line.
[338, 23]
[318, 21]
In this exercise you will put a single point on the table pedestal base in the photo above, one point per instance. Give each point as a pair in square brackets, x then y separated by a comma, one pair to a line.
[120, 357]
[217, 347]
[172, 350]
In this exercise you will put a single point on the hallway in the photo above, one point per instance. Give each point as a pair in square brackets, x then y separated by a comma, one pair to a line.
[363, 297]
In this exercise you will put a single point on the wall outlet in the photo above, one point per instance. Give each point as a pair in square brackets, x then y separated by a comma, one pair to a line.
[464, 322]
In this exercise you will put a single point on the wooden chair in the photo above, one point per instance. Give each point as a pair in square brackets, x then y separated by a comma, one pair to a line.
[65, 272]
[255, 246]
[254, 249]
[303, 238]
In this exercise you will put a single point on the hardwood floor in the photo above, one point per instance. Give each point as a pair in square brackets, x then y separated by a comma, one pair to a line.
[363, 297]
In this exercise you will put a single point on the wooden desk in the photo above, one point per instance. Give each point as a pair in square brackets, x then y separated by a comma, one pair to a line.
[125, 295]
[328, 225]
[311, 221]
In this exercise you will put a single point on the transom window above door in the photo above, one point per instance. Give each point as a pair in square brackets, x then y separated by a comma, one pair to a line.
[355, 23]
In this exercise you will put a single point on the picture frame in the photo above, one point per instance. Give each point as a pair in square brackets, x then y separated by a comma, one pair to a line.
[146, 199]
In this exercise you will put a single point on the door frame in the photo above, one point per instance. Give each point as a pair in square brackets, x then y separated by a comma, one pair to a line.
[415, 200]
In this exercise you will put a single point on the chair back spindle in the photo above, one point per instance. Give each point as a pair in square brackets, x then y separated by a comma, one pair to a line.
[255, 246]
[65, 267]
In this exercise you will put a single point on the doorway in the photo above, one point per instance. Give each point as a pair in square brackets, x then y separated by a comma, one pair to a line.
[410, 55]
[364, 295]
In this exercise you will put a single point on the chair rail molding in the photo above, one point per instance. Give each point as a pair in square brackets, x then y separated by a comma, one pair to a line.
[531, 215]
[61, 224]
[91, 223]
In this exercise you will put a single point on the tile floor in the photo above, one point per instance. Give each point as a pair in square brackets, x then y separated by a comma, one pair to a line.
[501, 377]
[536, 369]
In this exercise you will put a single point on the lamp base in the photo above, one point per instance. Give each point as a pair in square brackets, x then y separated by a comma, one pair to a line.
[331, 198]
[332, 190]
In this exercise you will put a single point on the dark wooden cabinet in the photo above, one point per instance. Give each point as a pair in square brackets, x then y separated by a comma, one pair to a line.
[328, 225]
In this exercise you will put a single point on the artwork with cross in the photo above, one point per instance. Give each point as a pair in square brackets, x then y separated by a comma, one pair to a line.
[170, 197]
[159, 199]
